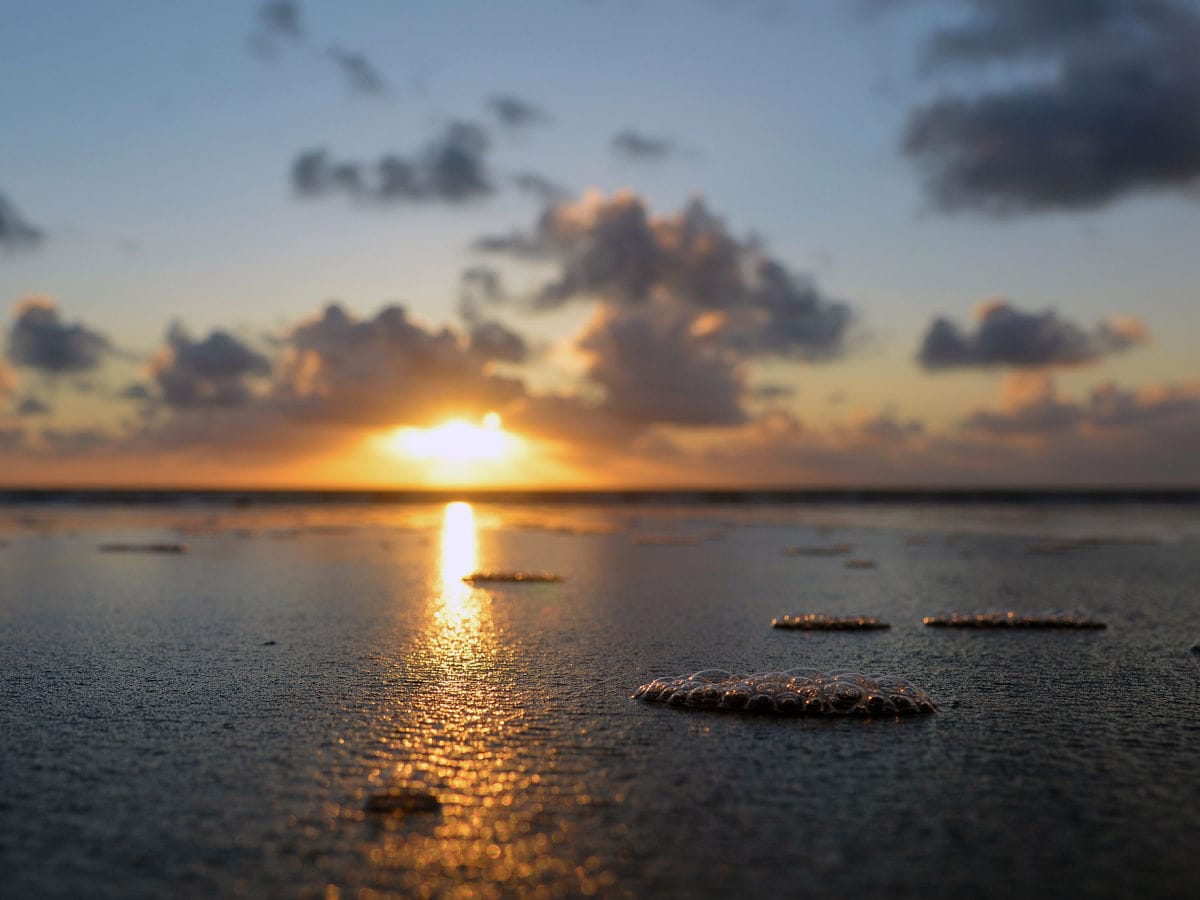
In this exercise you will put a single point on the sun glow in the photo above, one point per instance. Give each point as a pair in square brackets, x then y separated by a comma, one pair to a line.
[456, 441]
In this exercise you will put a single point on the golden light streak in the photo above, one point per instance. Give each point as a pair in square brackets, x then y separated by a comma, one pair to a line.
[461, 629]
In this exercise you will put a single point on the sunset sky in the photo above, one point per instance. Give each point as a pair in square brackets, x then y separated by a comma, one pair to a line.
[600, 243]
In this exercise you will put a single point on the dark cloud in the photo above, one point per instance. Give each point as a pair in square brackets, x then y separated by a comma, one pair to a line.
[1148, 434]
[634, 145]
[655, 369]
[513, 112]
[451, 168]
[281, 19]
[493, 340]
[16, 232]
[213, 372]
[683, 306]
[1119, 113]
[540, 187]
[1007, 336]
[137, 392]
[361, 74]
[40, 340]
[614, 250]
[480, 287]
[29, 405]
[383, 371]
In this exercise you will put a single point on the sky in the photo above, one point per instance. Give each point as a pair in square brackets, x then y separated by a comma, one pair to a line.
[600, 243]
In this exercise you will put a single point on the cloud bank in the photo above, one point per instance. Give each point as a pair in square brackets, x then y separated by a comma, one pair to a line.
[1119, 112]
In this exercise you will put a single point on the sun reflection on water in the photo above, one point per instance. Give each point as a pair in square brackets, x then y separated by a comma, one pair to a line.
[469, 733]
[461, 629]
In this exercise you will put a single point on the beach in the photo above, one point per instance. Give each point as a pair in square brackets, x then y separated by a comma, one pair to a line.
[209, 709]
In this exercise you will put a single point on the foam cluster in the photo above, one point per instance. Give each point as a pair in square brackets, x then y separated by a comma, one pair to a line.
[796, 692]
[821, 622]
[1010, 619]
[511, 577]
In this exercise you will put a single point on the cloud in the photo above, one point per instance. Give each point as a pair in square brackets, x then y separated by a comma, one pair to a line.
[40, 340]
[490, 339]
[16, 233]
[361, 74]
[1007, 336]
[513, 112]
[451, 168]
[281, 19]
[29, 405]
[1149, 434]
[213, 372]
[479, 286]
[656, 368]
[386, 370]
[683, 306]
[614, 250]
[540, 187]
[1118, 113]
[635, 145]
[75, 441]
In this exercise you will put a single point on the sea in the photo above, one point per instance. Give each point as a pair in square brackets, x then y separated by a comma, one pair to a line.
[297, 694]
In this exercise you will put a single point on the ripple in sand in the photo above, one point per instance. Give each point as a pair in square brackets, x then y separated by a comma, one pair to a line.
[668, 540]
[796, 692]
[511, 577]
[826, 550]
[820, 622]
[1011, 619]
[143, 548]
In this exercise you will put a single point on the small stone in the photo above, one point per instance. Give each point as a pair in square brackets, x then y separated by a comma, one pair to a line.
[268, 643]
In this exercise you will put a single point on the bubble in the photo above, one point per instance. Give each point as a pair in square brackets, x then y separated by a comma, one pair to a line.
[796, 692]
[821, 622]
[512, 577]
[1012, 619]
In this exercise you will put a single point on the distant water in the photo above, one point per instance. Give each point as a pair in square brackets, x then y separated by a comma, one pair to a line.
[214, 722]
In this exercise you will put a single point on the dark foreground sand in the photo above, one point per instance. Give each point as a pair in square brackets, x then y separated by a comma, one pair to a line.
[218, 722]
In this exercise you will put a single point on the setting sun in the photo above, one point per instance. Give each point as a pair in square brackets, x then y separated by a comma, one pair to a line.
[456, 441]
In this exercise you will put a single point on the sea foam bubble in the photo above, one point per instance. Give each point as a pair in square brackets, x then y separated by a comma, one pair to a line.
[1013, 619]
[795, 692]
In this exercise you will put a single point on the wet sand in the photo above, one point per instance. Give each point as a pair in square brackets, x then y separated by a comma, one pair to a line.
[312, 702]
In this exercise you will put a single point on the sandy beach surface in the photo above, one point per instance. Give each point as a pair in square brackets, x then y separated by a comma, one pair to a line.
[230, 717]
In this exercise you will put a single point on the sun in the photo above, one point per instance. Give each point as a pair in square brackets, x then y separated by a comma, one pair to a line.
[455, 442]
